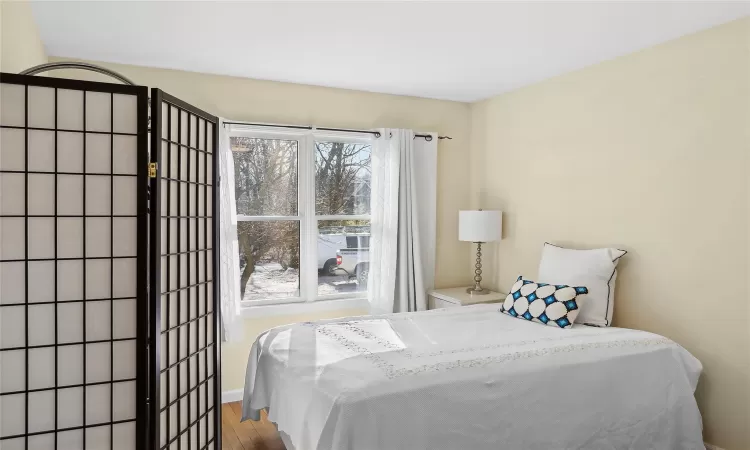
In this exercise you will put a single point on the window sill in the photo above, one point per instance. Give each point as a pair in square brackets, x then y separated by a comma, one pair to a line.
[289, 309]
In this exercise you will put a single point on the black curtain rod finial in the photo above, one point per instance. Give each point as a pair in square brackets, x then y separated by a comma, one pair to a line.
[428, 137]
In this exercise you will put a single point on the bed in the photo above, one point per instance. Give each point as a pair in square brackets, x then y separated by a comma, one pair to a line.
[471, 378]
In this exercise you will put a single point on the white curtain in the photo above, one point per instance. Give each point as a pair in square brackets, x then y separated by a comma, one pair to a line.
[231, 316]
[404, 203]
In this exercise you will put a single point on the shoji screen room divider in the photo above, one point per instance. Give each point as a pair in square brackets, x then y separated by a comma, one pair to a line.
[108, 317]
[184, 290]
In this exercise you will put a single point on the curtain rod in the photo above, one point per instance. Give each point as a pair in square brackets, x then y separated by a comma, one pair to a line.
[426, 137]
[296, 127]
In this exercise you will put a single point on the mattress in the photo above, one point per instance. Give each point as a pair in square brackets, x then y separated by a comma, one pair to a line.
[472, 377]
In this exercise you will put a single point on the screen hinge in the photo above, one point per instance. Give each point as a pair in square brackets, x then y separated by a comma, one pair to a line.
[152, 169]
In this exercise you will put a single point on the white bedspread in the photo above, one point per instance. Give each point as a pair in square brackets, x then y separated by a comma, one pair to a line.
[472, 378]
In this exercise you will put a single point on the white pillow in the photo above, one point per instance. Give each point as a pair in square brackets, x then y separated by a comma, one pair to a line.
[596, 269]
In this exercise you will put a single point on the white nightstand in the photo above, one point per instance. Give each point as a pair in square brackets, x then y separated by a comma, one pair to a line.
[453, 297]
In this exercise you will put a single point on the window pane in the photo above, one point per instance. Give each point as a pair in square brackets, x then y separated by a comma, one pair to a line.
[269, 259]
[343, 256]
[342, 178]
[265, 176]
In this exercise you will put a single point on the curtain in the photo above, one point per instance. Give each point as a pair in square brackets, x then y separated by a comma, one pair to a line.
[417, 204]
[425, 188]
[231, 316]
[404, 193]
[384, 223]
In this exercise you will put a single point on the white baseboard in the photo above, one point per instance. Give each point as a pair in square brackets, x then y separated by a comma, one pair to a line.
[236, 396]
[712, 447]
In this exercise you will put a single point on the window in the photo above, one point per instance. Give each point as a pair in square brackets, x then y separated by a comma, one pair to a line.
[303, 210]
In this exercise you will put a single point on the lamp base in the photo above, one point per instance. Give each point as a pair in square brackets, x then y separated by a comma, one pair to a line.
[473, 291]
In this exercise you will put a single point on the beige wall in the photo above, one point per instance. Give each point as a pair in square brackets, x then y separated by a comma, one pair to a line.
[650, 153]
[20, 44]
[264, 101]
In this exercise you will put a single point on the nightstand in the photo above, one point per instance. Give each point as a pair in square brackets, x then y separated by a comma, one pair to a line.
[454, 297]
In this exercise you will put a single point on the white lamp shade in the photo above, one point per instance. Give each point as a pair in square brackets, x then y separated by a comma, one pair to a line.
[480, 226]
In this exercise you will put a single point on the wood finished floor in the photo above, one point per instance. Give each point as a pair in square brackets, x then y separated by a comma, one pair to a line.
[248, 435]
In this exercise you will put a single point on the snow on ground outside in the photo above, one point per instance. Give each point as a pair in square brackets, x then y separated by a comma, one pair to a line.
[270, 281]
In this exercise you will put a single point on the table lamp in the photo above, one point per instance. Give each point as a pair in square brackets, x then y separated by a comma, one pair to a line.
[479, 227]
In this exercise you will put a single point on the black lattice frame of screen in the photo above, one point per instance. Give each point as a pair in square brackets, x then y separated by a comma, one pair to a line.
[185, 359]
[45, 170]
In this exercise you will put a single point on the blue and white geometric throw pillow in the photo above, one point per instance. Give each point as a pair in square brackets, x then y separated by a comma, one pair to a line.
[554, 305]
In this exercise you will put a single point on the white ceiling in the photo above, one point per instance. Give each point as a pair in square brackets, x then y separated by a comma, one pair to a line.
[448, 50]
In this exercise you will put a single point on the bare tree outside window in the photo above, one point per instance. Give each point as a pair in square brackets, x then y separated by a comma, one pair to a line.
[266, 178]
[342, 178]
[265, 172]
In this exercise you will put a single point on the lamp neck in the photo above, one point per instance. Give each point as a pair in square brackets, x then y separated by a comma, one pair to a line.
[478, 269]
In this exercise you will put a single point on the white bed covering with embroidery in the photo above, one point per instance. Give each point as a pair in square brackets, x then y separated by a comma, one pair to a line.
[472, 378]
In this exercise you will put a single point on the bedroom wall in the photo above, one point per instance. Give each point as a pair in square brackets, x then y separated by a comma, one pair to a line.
[265, 101]
[20, 44]
[650, 153]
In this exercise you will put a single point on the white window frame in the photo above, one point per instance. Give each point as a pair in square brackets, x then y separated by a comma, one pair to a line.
[308, 271]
